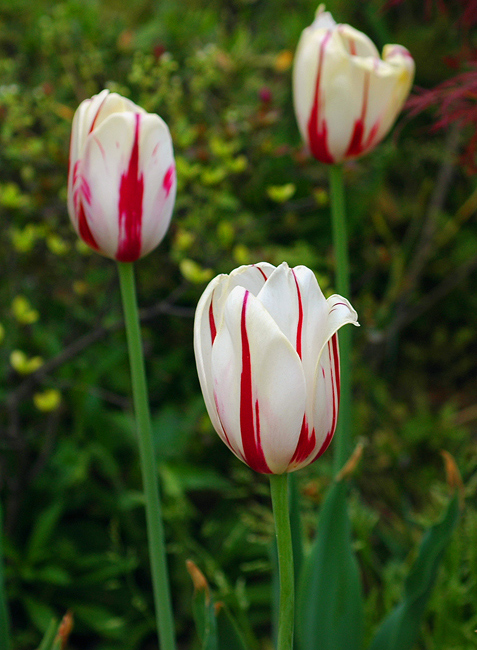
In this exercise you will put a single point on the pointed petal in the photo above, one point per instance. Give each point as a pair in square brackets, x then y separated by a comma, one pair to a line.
[251, 277]
[208, 319]
[259, 384]
[281, 299]
[357, 43]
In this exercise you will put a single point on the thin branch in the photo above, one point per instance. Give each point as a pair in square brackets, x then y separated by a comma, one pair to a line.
[85, 341]
[435, 295]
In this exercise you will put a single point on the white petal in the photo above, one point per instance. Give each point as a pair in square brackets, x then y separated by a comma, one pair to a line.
[156, 162]
[325, 402]
[208, 319]
[252, 277]
[105, 161]
[394, 77]
[280, 298]
[357, 43]
[340, 313]
[90, 115]
[264, 424]
[342, 86]
[305, 71]
[323, 414]
[203, 339]
[323, 19]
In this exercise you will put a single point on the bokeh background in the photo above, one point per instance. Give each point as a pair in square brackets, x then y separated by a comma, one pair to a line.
[219, 73]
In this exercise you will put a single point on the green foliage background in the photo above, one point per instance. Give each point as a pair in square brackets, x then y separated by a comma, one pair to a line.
[219, 73]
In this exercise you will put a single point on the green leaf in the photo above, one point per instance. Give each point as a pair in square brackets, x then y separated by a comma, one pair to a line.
[400, 629]
[215, 625]
[228, 633]
[45, 524]
[39, 613]
[203, 609]
[329, 599]
[50, 635]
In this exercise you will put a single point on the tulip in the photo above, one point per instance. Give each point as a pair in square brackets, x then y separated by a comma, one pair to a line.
[121, 181]
[266, 348]
[346, 97]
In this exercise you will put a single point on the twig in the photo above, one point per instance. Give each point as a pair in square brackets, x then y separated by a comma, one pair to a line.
[426, 243]
[83, 342]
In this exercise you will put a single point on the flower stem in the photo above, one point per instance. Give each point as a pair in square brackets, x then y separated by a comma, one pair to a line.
[340, 241]
[4, 620]
[279, 492]
[155, 528]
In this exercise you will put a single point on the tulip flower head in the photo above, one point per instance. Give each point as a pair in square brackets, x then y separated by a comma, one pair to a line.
[266, 348]
[121, 181]
[346, 97]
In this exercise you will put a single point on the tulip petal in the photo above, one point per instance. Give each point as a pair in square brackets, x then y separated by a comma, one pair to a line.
[282, 300]
[262, 419]
[156, 160]
[296, 303]
[325, 394]
[251, 277]
[208, 319]
[205, 331]
[357, 43]
[109, 162]
[128, 184]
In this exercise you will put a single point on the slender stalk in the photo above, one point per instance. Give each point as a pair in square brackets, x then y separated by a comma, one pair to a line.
[342, 444]
[155, 528]
[4, 619]
[286, 610]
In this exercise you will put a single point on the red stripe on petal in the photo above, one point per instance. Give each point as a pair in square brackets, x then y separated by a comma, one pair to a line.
[83, 228]
[357, 145]
[131, 191]
[306, 444]
[93, 123]
[299, 327]
[228, 442]
[317, 128]
[249, 411]
[213, 328]
[261, 271]
[335, 392]
[336, 364]
[324, 446]
[168, 181]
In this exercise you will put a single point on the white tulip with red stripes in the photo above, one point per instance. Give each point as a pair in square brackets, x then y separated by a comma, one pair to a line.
[121, 181]
[346, 96]
[266, 348]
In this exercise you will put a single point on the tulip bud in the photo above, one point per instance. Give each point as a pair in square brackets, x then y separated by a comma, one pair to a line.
[266, 348]
[346, 97]
[121, 181]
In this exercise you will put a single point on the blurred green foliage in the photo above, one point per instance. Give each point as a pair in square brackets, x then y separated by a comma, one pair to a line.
[219, 73]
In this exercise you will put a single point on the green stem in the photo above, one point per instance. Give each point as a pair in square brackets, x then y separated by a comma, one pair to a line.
[155, 529]
[279, 492]
[4, 619]
[342, 445]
